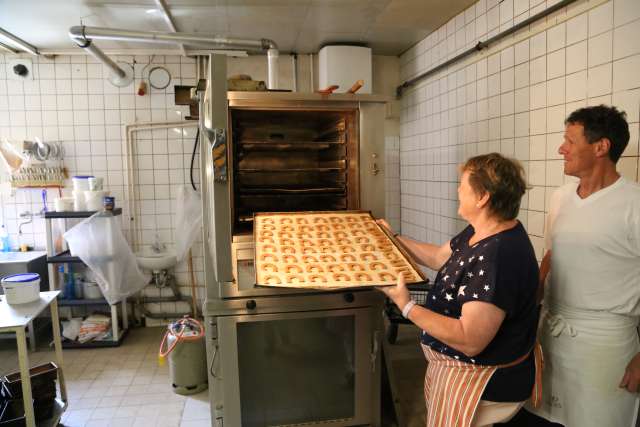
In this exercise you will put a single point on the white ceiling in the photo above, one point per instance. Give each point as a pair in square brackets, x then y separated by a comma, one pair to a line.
[387, 26]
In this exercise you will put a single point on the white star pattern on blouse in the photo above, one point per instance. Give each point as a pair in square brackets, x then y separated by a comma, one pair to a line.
[481, 257]
[486, 287]
[471, 259]
[461, 290]
[433, 297]
[448, 297]
[461, 263]
[445, 277]
[481, 272]
[470, 274]
[475, 296]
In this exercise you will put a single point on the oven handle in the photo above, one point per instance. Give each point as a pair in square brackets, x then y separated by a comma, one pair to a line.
[213, 361]
[374, 350]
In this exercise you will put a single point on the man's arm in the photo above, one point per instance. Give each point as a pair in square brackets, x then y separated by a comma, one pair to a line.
[545, 266]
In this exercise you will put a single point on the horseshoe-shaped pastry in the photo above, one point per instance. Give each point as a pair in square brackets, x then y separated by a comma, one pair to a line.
[286, 220]
[327, 249]
[293, 268]
[347, 258]
[287, 228]
[300, 220]
[317, 278]
[268, 221]
[363, 277]
[362, 239]
[304, 236]
[266, 233]
[340, 234]
[266, 240]
[308, 259]
[320, 219]
[385, 276]
[288, 249]
[306, 228]
[346, 248]
[307, 242]
[357, 233]
[309, 250]
[343, 241]
[322, 227]
[289, 259]
[285, 235]
[272, 268]
[335, 268]
[314, 268]
[287, 242]
[367, 247]
[269, 257]
[368, 256]
[374, 266]
[338, 226]
[269, 227]
[295, 278]
[335, 219]
[327, 258]
[325, 242]
[341, 277]
[354, 266]
[350, 219]
[323, 235]
[272, 279]
[269, 248]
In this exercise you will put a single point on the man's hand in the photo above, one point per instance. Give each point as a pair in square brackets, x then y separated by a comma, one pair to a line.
[631, 378]
[399, 293]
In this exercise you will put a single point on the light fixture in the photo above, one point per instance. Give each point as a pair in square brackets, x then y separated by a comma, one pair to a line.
[19, 42]
[150, 11]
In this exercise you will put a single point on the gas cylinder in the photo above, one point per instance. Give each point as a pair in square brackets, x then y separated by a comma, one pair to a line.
[185, 348]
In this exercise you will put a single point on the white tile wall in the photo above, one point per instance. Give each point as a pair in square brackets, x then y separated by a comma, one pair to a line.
[515, 103]
[70, 101]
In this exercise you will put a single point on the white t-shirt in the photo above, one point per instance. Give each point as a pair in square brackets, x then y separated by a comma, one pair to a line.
[595, 242]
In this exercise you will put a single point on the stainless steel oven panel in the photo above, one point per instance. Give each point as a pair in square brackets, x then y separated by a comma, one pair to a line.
[366, 347]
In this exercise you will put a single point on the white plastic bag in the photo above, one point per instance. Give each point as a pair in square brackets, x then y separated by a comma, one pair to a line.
[99, 242]
[188, 220]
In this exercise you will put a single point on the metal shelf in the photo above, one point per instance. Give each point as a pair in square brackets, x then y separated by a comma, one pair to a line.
[77, 214]
[96, 344]
[62, 258]
[84, 301]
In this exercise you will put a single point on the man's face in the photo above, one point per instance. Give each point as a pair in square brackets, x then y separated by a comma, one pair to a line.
[579, 155]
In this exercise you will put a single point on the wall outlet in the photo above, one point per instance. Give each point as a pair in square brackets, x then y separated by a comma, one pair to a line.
[20, 69]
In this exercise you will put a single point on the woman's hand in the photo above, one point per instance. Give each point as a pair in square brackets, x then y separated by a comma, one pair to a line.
[399, 293]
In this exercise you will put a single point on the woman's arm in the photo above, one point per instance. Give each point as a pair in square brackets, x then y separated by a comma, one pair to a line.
[470, 334]
[426, 254]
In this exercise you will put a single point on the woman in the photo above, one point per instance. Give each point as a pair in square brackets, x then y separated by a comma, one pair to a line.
[479, 322]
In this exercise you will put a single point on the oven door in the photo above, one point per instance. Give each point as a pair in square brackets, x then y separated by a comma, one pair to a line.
[300, 368]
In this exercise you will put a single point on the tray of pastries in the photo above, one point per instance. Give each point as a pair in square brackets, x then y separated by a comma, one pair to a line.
[327, 250]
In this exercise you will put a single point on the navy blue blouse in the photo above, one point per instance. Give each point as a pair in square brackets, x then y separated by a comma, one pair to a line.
[501, 270]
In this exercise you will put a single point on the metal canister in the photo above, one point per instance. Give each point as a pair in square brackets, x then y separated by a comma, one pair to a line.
[108, 203]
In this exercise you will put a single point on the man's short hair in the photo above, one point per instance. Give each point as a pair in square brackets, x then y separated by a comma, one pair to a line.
[603, 122]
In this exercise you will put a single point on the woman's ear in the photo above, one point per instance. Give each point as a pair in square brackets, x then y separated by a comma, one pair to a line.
[482, 201]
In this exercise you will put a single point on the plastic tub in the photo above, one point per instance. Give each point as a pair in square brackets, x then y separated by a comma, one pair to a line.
[93, 199]
[21, 288]
[91, 290]
[81, 182]
[63, 204]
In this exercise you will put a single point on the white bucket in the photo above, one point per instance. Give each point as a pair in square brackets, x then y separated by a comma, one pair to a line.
[21, 288]
[91, 290]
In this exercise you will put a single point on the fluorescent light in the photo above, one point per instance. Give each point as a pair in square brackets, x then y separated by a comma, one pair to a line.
[150, 11]
[19, 42]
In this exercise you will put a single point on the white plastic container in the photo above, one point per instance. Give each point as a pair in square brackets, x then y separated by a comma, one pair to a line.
[21, 288]
[63, 204]
[79, 203]
[81, 182]
[94, 199]
[343, 66]
[91, 290]
[95, 183]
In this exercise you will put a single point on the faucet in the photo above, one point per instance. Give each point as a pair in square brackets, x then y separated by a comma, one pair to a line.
[29, 218]
[158, 247]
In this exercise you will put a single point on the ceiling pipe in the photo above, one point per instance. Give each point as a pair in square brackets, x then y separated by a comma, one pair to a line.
[168, 18]
[7, 48]
[83, 37]
[27, 47]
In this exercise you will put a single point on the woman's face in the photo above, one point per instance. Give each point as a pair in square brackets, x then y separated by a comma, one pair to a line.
[468, 207]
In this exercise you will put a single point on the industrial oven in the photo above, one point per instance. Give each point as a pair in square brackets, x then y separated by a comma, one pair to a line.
[280, 357]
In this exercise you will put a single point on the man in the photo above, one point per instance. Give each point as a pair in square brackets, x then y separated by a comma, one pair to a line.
[589, 332]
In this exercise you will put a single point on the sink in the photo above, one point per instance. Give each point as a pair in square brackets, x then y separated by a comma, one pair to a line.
[156, 261]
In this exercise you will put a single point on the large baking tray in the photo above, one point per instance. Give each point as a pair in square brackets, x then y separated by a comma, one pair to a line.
[328, 250]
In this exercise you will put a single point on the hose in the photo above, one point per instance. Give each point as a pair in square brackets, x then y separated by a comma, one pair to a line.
[184, 323]
[193, 156]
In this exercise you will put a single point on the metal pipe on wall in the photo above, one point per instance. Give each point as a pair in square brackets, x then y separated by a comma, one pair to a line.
[83, 35]
[168, 18]
[17, 41]
[482, 45]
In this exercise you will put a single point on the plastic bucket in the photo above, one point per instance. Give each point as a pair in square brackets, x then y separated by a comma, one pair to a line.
[21, 288]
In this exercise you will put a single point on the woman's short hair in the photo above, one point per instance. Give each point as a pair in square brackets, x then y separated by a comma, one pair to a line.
[502, 178]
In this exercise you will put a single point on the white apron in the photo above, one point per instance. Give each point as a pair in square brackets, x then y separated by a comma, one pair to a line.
[591, 350]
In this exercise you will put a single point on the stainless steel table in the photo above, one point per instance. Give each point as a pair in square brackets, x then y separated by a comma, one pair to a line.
[16, 318]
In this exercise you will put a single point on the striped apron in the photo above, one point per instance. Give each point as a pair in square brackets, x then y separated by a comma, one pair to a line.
[453, 389]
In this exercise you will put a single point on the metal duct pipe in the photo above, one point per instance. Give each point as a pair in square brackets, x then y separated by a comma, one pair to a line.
[27, 47]
[168, 18]
[83, 36]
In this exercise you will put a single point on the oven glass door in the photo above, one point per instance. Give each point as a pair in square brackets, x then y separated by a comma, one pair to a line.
[284, 369]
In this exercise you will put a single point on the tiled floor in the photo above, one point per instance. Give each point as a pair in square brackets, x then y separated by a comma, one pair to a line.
[122, 386]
